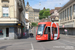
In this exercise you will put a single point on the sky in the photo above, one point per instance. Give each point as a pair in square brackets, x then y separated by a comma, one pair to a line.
[51, 4]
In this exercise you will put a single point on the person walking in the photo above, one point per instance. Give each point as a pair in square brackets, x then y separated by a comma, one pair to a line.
[65, 31]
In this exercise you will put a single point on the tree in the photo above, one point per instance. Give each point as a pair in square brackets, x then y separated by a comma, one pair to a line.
[44, 13]
[34, 24]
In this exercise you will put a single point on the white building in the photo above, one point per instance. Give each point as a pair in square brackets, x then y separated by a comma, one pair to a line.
[27, 18]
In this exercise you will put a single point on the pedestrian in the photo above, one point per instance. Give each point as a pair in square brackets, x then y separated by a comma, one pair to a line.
[65, 31]
[25, 34]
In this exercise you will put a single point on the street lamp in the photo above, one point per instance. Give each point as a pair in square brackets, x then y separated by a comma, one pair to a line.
[39, 4]
[60, 4]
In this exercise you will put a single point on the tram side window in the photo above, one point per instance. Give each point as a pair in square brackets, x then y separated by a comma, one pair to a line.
[1, 32]
[45, 31]
[54, 30]
[49, 29]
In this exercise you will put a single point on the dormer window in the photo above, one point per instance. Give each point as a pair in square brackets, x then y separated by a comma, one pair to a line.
[5, 0]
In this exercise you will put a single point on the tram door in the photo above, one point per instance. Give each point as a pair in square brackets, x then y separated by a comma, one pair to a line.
[47, 31]
[55, 31]
[48, 28]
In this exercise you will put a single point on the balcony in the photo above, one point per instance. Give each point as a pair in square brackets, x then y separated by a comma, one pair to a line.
[20, 6]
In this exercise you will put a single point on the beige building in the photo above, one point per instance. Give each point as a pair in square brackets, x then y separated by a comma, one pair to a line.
[12, 18]
[55, 15]
[67, 18]
[33, 14]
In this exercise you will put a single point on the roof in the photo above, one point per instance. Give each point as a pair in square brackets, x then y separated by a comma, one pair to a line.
[51, 11]
[56, 8]
[45, 20]
[36, 10]
[71, 1]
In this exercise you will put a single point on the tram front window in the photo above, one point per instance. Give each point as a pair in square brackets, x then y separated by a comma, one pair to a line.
[40, 29]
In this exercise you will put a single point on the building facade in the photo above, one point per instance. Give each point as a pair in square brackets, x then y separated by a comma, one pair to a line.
[33, 14]
[55, 15]
[67, 18]
[27, 17]
[12, 19]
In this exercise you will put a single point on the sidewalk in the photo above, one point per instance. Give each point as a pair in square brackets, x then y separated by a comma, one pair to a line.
[72, 36]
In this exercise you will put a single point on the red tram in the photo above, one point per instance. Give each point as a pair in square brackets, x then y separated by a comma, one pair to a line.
[47, 31]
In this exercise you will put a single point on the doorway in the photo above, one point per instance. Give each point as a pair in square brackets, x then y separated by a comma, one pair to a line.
[48, 33]
[7, 32]
[55, 31]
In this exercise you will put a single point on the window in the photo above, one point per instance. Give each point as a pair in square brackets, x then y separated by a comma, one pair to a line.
[49, 30]
[5, 12]
[1, 32]
[60, 16]
[36, 17]
[74, 10]
[45, 31]
[30, 14]
[36, 20]
[40, 29]
[30, 20]
[5, 0]
[71, 12]
[74, 7]
[68, 13]
[31, 17]
[54, 30]
[65, 14]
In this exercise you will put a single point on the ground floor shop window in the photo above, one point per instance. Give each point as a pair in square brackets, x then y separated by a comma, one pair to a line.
[1, 32]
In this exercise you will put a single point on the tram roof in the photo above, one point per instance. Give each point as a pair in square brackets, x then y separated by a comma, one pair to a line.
[44, 22]
[47, 23]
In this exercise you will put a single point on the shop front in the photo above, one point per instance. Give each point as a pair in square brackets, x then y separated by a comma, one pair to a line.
[10, 31]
